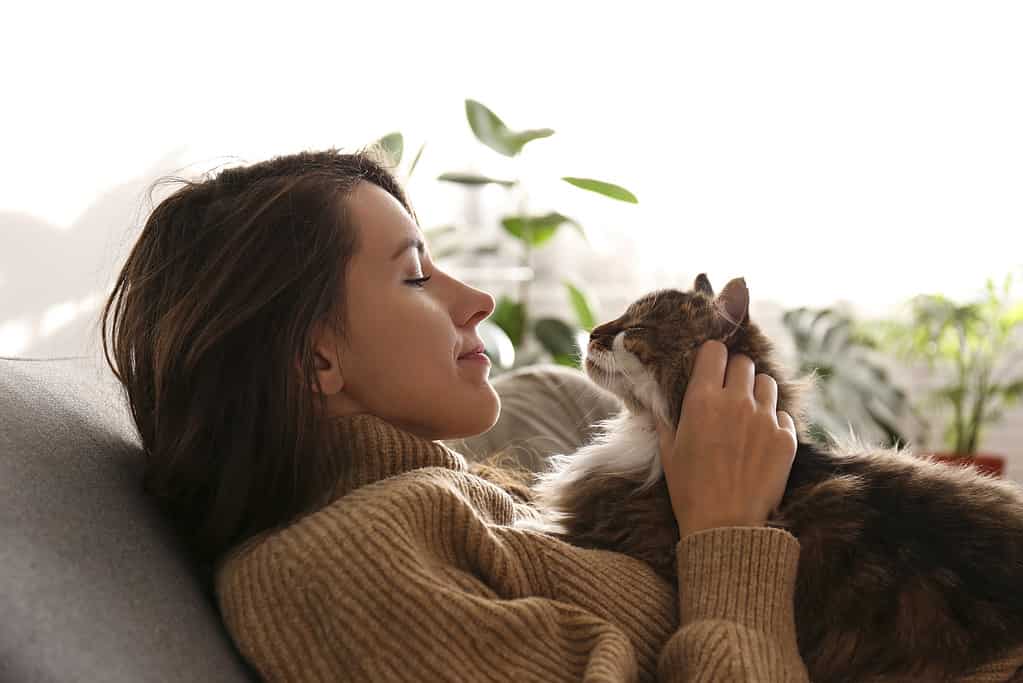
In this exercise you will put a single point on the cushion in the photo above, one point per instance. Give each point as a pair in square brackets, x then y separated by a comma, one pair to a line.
[93, 586]
[545, 409]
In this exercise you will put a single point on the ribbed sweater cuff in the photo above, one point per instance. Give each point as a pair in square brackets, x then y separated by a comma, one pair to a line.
[742, 574]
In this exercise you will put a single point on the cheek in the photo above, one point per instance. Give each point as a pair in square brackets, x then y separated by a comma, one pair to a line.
[631, 352]
[379, 345]
[408, 342]
[417, 350]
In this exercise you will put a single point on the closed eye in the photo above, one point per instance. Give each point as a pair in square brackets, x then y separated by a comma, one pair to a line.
[418, 282]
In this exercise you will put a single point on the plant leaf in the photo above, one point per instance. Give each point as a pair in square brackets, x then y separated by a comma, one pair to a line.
[1012, 317]
[556, 336]
[473, 179]
[1011, 392]
[416, 160]
[600, 187]
[836, 334]
[492, 132]
[853, 387]
[579, 229]
[582, 307]
[392, 144]
[510, 316]
[534, 230]
[570, 361]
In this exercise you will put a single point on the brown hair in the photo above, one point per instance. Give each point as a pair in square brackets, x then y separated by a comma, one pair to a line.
[211, 320]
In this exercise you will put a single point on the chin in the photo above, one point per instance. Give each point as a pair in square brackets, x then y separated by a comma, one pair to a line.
[602, 369]
[476, 415]
[637, 389]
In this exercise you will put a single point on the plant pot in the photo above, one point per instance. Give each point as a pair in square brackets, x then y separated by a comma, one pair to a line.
[986, 463]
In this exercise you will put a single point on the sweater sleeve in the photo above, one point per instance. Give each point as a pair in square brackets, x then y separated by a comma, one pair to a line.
[736, 612]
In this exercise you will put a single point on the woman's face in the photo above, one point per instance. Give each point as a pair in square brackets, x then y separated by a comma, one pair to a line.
[400, 360]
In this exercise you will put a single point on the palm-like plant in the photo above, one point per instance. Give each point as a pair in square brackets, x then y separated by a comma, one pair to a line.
[977, 349]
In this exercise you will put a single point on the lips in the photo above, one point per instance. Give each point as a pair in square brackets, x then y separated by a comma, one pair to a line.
[478, 348]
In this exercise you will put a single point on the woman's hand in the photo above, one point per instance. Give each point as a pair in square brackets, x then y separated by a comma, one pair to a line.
[730, 460]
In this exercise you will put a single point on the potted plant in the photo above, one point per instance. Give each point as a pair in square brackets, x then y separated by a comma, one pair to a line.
[519, 337]
[555, 339]
[975, 348]
[854, 390]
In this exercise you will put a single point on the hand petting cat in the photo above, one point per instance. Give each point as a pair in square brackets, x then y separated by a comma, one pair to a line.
[908, 569]
[729, 461]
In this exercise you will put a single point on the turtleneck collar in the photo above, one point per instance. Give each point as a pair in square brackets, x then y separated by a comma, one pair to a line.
[378, 449]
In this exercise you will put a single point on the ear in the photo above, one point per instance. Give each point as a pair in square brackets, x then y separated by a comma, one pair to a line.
[326, 364]
[731, 308]
[702, 284]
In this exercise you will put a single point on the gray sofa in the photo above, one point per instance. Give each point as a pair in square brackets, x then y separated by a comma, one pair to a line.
[94, 585]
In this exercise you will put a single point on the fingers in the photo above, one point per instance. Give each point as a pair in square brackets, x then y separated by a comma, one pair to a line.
[765, 391]
[709, 366]
[666, 443]
[785, 422]
[739, 376]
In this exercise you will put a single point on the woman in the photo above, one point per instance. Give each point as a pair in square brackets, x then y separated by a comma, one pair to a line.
[293, 359]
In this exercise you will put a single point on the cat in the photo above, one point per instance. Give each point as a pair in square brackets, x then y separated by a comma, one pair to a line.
[907, 566]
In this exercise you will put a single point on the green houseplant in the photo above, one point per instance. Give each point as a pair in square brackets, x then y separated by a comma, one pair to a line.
[854, 390]
[975, 348]
[556, 339]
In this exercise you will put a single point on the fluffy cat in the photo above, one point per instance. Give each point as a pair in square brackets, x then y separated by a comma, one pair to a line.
[907, 566]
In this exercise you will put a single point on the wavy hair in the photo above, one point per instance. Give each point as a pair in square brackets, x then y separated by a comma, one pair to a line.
[210, 331]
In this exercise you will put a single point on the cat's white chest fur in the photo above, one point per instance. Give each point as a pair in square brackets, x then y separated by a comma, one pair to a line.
[627, 444]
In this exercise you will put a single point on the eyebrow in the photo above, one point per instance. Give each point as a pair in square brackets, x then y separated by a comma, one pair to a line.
[407, 244]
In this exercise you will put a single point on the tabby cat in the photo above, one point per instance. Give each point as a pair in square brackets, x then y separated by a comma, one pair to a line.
[907, 566]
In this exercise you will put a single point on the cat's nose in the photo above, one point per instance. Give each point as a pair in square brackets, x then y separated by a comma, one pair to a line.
[600, 340]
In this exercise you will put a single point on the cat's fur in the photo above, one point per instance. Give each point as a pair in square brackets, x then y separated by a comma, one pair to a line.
[907, 566]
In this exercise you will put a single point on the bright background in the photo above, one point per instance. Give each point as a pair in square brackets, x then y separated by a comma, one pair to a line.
[860, 152]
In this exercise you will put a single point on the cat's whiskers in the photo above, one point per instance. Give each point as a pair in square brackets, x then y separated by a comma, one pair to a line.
[613, 362]
[642, 385]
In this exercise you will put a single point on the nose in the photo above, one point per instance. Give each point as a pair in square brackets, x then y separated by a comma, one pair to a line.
[480, 305]
[601, 337]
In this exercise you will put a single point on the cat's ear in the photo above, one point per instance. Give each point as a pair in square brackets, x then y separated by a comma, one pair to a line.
[702, 284]
[731, 308]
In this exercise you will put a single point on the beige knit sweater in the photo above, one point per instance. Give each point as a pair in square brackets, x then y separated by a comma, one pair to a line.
[416, 571]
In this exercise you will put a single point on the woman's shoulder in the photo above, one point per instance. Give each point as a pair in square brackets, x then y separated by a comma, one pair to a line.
[390, 509]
